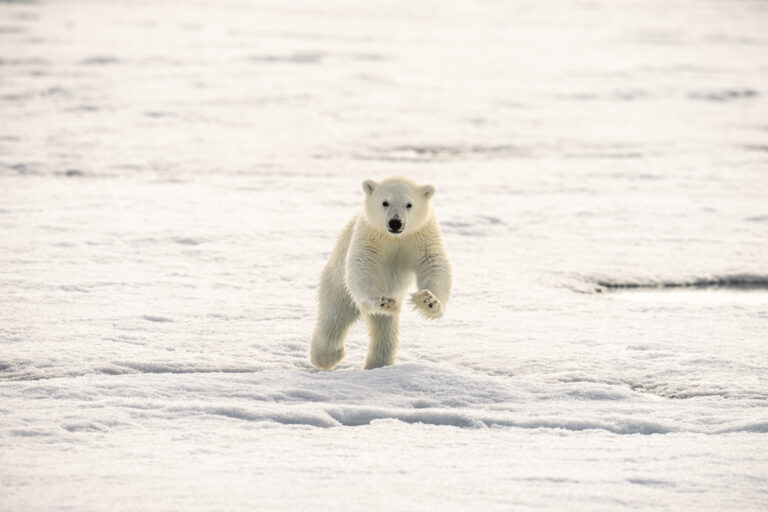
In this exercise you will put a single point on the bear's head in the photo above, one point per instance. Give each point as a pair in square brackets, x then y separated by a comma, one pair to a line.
[397, 206]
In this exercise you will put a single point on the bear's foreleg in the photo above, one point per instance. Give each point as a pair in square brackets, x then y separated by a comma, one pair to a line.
[433, 277]
[383, 343]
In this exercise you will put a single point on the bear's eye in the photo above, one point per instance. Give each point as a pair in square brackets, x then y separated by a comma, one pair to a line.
[408, 205]
[385, 204]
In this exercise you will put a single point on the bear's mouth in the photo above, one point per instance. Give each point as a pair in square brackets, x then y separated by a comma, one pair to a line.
[396, 231]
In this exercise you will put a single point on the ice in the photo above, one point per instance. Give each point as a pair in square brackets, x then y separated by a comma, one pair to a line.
[172, 181]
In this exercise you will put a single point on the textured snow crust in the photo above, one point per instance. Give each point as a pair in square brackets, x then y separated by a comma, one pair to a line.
[172, 180]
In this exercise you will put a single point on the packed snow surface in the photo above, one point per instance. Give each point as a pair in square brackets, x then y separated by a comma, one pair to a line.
[172, 180]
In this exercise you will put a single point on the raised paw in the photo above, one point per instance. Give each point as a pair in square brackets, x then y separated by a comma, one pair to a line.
[427, 304]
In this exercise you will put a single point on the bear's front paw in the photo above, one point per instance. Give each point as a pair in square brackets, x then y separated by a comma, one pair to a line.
[427, 304]
[385, 305]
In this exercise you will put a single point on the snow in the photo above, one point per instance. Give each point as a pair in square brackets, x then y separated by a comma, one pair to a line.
[172, 181]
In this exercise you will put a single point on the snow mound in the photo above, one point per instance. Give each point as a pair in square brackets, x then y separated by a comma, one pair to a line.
[410, 393]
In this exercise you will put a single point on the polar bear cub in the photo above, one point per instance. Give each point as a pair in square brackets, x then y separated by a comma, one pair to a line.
[394, 238]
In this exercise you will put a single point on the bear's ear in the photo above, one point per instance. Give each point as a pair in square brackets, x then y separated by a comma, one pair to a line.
[427, 191]
[368, 186]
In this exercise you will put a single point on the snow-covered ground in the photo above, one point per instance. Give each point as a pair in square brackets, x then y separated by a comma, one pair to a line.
[172, 179]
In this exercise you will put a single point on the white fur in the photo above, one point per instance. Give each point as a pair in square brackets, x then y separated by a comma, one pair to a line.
[371, 269]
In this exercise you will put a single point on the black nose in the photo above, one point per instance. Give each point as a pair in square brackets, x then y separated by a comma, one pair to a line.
[395, 225]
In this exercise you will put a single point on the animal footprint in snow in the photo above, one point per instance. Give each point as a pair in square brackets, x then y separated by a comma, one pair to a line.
[427, 304]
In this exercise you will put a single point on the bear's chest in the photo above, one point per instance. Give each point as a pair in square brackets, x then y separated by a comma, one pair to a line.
[396, 267]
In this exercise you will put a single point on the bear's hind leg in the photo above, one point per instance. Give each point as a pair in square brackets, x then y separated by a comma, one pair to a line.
[382, 347]
[333, 322]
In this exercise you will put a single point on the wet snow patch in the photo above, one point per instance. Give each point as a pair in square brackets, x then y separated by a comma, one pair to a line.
[476, 225]
[99, 60]
[293, 58]
[156, 318]
[724, 95]
[725, 282]
[439, 152]
[651, 481]
[737, 288]
[185, 240]
[705, 296]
